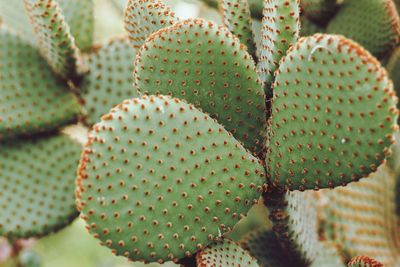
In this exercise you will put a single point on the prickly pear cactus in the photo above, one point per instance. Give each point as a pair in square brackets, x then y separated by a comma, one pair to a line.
[321, 133]
[191, 123]
[158, 166]
[37, 181]
[209, 68]
[225, 253]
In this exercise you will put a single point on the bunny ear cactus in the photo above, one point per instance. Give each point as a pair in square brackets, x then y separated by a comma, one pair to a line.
[280, 30]
[143, 17]
[32, 99]
[159, 167]
[109, 78]
[225, 253]
[79, 14]
[375, 24]
[237, 19]
[37, 181]
[206, 65]
[327, 91]
[55, 41]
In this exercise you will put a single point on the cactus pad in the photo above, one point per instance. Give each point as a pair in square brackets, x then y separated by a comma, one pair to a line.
[237, 18]
[159, 180]
[79, 14]
[225, 253]
[55, 41]
[363, 261]
[143, 17]
[37, 180]
[361, 218]
[374, 24]
[109, 80]
[280, 30]
[31, 98]
[206, 65]
[333, 117]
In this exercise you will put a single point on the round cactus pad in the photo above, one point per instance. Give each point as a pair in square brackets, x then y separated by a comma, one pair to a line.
[206, 65]
[37, 180]
[32, 99]
[225, 253]
[374, 24]
[109, 79]
[333, 115]
[159, 180]
[143, 17]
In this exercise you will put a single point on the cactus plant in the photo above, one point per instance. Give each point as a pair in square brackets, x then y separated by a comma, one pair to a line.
[191, 123]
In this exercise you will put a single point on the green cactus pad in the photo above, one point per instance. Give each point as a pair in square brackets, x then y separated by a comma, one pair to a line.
[374, 24]
[237, 18]
[79, 14]
[333, 117]
[363, 261]
[31, 98]
[109, 80]
[55, 41]
[393, 68]
[206, 65]
[37, 180]
[225, 253]
[263, 245]
[159, 180]
[309, 28]
[294, 219]
[319, 10]
[280, 30]
[12, 14]
[143, 17]
[361, 218]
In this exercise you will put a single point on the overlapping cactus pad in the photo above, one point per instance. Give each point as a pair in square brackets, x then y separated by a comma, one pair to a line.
[143, 17]
[37, 182]
[333, 115]
[206, 65]
[79, 14]
[237, 19]
[109, 78]
[32, 99]
[375, 24]
[280, 30]
[55, 41]
[159, 179]
[225, 253]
